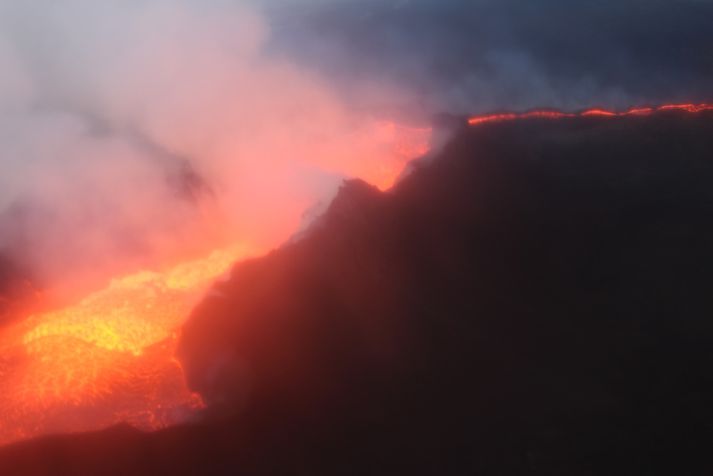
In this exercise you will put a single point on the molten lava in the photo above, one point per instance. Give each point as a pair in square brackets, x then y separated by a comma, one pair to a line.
[552, 114]
[109, 358]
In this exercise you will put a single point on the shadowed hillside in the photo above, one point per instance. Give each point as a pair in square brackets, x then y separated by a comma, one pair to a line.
[535, 300]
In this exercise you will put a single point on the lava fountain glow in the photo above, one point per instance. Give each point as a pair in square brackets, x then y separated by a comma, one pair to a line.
[109, 357]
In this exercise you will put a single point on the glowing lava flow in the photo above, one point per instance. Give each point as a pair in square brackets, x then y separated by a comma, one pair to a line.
[109, 358]
[552, 114]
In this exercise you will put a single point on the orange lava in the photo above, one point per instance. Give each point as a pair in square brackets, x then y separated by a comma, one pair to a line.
[109, 358]
[492, 118]
[552, 114]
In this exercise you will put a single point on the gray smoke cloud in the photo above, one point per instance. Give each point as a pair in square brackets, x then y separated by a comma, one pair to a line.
[132, 131]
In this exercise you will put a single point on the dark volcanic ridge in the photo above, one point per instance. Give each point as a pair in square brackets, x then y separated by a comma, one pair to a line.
[535, 300]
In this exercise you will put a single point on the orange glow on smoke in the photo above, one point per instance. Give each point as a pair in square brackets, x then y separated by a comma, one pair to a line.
[405, 143]
[377, 154]
[551, 114]
[109, 358]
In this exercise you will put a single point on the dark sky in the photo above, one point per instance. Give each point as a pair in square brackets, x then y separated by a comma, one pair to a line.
[470, 56]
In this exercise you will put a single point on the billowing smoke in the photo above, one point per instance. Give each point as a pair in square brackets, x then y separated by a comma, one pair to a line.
[137, 131]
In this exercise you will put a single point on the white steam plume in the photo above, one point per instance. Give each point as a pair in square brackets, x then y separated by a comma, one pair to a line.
[132, 131]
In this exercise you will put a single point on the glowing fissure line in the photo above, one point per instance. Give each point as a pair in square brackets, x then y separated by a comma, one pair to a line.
[596, 112]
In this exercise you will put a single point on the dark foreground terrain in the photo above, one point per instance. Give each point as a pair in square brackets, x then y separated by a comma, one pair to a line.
[538, 299]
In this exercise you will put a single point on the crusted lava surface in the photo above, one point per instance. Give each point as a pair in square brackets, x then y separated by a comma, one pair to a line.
[536, 299]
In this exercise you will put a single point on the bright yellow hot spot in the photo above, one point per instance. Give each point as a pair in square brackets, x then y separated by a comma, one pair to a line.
[108, 358]
[133, 312]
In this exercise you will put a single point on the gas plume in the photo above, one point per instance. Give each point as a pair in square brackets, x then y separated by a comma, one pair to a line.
[137, 132]
[147, 146]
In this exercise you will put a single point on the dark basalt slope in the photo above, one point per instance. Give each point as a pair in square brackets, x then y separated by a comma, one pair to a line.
[538, 299]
